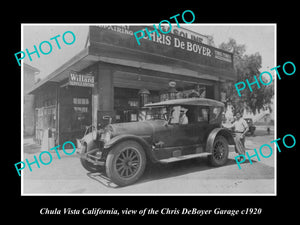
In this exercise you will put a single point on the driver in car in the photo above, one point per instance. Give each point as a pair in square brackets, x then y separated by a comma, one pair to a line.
[183, 119]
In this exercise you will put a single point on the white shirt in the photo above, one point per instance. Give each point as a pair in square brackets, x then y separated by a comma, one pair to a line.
[240, 125]
[183, 120]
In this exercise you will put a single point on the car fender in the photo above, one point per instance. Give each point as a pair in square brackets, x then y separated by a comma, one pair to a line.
[89, 141]
[124, 137]
[214, 133]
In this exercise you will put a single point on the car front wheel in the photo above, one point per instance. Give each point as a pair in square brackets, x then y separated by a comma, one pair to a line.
[125, 163]
[219, 152]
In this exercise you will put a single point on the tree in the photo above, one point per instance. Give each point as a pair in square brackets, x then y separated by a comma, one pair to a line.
[210, 40]
[246, 67]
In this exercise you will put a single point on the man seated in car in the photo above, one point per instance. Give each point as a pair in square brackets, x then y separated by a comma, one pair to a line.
[183, 119]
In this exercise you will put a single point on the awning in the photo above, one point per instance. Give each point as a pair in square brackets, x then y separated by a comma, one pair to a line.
[153, 59]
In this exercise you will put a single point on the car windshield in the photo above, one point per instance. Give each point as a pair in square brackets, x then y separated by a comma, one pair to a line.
[168, 113]
[156, 113]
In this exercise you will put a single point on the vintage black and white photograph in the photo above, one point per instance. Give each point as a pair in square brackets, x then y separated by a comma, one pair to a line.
[142, 109]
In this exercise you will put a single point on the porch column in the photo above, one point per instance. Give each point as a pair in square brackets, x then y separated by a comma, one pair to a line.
[103, 94]
[217, 95]
[213, 91]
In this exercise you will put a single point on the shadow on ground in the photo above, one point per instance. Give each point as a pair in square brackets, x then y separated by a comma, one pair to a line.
[31, 148]
[157, 171]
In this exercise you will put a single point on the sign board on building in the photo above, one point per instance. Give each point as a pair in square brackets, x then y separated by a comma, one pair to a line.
[188, 34]
[83, 80]
[182, 41]
[170, 46]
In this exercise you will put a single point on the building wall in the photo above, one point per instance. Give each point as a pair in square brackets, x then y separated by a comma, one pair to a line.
[28, 100]
[28, 115]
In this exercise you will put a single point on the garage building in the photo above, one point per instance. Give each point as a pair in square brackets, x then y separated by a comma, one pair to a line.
[115, 76]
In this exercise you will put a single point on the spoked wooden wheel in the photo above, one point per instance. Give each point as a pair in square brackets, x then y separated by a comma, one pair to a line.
[125, 163]
[219, 152]
[128, 162]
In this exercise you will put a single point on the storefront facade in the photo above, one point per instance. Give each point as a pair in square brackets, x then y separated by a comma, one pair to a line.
[115, 76]
[28, 108]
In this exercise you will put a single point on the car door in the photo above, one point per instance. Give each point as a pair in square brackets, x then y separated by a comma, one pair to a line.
[209, 118]
[182, 134]
[202, 127]
[170, 133]
[185, 134]
[162, 136]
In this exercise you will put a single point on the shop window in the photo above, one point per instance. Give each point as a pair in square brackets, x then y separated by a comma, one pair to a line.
[133, 117]
[80, 101]
[75, 101]
[48, 102]
[133, 103]
[80, 116]
[81, 109]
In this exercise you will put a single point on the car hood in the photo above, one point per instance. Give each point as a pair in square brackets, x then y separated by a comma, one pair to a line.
[141, 128]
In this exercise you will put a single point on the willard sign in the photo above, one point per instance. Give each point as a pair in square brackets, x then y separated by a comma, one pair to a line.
[83, 80]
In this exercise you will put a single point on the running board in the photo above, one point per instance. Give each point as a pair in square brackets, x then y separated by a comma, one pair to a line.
[184, 157]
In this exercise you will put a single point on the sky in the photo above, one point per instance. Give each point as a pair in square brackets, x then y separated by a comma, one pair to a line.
[35, 34]
[257, 38]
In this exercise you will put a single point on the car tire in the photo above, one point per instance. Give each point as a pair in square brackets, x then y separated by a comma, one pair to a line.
[219, 152]
[86, 164]
[125, 163]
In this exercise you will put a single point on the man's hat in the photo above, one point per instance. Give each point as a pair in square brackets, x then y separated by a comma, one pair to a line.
[182, 109]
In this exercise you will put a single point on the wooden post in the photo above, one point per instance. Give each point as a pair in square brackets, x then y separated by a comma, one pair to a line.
[103, 94]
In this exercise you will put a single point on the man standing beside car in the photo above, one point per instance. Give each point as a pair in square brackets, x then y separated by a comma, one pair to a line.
[240, 130]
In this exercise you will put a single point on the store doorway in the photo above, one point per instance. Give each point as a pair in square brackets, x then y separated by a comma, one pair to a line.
[128, 103]
[75, 112]
[45, 126]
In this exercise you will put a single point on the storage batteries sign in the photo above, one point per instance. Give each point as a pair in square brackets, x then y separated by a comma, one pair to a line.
[83, 80]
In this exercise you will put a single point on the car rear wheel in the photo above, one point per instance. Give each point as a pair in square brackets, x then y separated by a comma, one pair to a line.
[219, 152]
[125, 163]
[86, 164]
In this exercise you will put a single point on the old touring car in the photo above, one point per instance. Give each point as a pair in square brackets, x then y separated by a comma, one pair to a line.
[123, 149]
